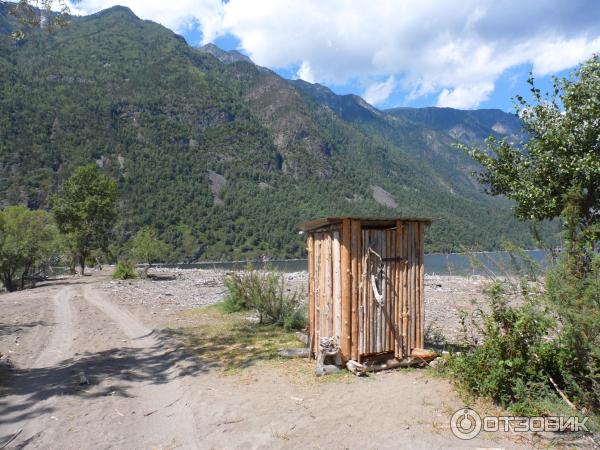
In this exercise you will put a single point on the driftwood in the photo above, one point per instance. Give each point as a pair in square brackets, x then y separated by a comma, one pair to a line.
[294, 352]
[328, 350]
[385, 364]
[424, 354]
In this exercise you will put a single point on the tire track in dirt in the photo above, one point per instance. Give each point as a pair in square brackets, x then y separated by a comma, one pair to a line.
[168, 420]
[59, 345]
[36, 419]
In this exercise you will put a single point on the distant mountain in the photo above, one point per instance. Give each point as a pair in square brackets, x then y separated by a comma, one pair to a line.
[349, 107]
[468, 127]
[206, 141]
[226, 57]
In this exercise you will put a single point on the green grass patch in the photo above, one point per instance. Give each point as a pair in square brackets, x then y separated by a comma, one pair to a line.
[233, 341]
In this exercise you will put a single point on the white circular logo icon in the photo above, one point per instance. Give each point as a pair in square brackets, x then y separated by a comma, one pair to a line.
[465, 424]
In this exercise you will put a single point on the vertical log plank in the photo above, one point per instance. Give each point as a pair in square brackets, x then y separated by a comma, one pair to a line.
[346, 274]
[422, 282]
[356, 228]
[311, 293]
[398, 292]
[337, 288]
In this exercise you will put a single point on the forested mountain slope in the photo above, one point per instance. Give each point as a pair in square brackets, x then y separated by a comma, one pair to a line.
[205, 141]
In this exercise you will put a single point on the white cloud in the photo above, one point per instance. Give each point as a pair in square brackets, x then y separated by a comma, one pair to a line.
[379, 92]
[465, 97]
[304, 72]
[453, 49]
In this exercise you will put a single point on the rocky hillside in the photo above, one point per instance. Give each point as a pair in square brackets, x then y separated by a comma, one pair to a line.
[203, 141]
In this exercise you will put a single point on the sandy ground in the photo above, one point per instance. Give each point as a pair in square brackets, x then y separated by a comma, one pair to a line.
[94, 369]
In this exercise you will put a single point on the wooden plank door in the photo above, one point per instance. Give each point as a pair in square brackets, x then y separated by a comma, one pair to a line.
[381, 265]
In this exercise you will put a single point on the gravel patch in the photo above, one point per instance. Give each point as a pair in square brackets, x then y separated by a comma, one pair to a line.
[180, 289]
[183, 288]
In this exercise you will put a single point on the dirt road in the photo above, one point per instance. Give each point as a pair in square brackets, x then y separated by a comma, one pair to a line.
[92, 374]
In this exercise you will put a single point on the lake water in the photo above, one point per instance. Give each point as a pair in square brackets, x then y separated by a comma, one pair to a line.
[435, 263]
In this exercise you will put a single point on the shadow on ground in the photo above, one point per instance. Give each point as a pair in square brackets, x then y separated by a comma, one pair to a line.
[8, 329]
[236, 344]
[110, 372]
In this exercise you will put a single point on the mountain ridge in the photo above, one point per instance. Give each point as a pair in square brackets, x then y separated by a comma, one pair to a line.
[229, 152]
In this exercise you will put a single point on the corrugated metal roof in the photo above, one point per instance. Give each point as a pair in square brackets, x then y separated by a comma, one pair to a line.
[366, 221]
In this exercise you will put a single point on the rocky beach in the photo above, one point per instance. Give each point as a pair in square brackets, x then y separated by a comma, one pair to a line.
[173, 290]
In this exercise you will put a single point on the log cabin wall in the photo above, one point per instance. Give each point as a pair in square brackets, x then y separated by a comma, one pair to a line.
[365, 286]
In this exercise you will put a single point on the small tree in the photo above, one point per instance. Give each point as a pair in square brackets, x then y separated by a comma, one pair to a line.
[28, 243]
[85, 209]
[146, 247]
[557, 172]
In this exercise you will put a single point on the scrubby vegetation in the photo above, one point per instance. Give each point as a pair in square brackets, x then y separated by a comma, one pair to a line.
[125, 270]
[537, 342]
[265, 293]
[146, 247]
[29, 245]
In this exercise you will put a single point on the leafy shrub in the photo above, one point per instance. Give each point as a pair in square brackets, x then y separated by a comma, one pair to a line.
[266, 293]
[125, 270]
[575, 298]
[507, 366]
[552, 337]
[241, 289]
[297, 319]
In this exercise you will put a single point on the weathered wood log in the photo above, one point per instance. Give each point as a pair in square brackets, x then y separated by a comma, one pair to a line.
[328, 306]
[311, 293]
[424, 354]
[337, 288]
[405, 343]
[422, 282]
[356, 228]
[294, 352]
[397, 314]
[356, 368]
[346, 274]
[386, 364]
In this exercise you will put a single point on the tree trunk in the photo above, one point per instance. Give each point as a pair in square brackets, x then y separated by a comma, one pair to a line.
[82, 264]
[7, 281]
[23, 276]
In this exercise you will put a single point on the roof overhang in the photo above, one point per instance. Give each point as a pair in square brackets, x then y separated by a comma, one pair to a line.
[382, 222]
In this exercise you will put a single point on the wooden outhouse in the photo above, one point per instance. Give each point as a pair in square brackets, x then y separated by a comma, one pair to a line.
[365, 285]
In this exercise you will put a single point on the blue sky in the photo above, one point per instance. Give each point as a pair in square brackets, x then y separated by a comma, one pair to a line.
[460, 53]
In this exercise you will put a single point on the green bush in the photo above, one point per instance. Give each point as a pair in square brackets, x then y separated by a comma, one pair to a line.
[125, 270]
[265, 292]
[575, 298]
[507, 366]
[552, 336]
